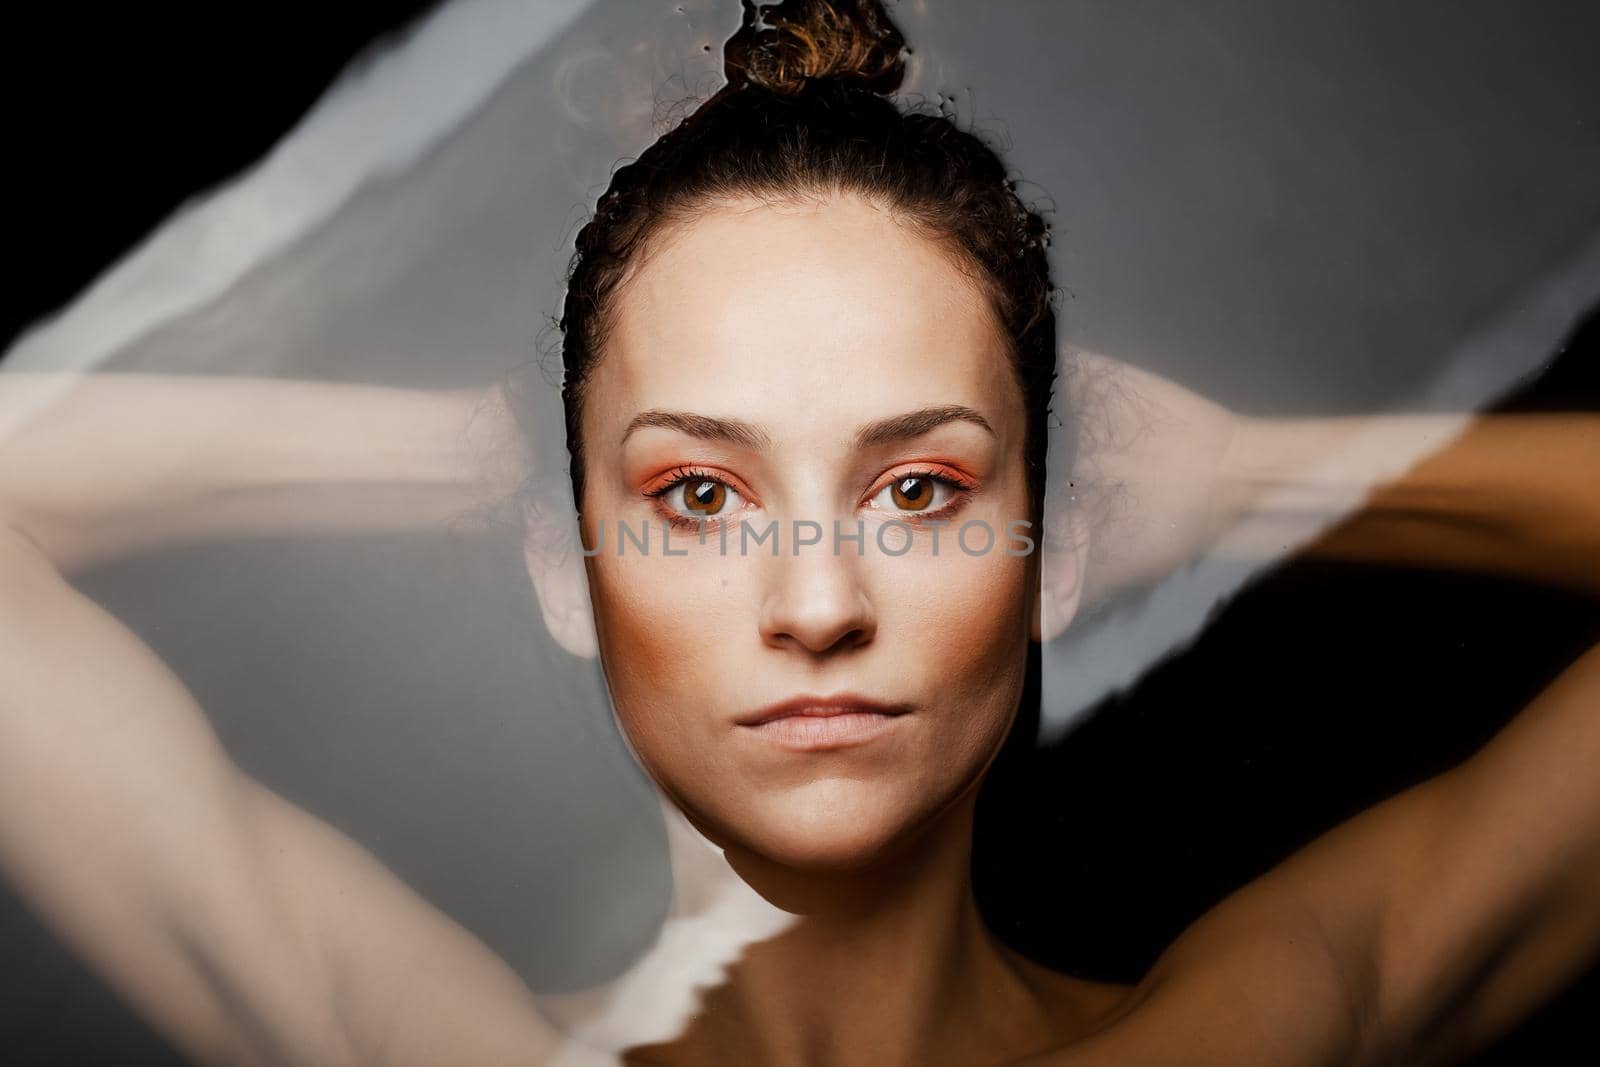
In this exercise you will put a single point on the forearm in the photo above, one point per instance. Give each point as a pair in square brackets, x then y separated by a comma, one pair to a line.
[1515, 495]
[96, 466]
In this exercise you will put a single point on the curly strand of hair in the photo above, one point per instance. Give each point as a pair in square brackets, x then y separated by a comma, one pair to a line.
[780, 47]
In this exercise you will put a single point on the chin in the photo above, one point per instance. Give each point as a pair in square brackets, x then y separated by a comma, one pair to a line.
[828, 824]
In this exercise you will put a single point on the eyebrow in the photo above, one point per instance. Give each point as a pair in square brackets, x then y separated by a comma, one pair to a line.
[916, 423]
[748, 435]
[705, 427]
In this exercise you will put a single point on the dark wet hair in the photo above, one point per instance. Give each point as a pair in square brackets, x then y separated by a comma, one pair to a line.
[804, 112]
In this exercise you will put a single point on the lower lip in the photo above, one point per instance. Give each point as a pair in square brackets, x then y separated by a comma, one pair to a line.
[821, 733]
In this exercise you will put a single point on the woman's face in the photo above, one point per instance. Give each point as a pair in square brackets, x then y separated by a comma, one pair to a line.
[801, 365]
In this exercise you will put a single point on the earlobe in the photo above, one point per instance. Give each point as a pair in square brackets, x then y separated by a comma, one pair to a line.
[562, 586]
[1059, 593]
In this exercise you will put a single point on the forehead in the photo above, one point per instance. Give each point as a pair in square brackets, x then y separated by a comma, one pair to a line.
[771, 312]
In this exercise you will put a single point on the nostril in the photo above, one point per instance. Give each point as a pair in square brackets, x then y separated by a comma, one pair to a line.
[816, 607]
[817, 644]
[818, 631]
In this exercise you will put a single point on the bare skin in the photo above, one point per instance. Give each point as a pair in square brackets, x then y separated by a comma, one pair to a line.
[1403, 936]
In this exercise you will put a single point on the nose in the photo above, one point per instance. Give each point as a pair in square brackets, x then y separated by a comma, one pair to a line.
[816, 602]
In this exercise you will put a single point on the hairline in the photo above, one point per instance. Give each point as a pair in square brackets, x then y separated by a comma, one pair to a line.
[681, 212]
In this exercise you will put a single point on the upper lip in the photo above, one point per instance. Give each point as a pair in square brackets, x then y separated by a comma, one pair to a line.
[820, 706]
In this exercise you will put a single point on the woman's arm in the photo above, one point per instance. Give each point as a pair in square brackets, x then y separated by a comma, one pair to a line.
[1165, 476]
[1512, 495]
[1447, 915]
[1413, 934]
[99, 465]
[241, 927]
[1492, 905]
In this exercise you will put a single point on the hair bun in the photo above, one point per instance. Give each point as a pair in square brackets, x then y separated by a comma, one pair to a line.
[783, 46]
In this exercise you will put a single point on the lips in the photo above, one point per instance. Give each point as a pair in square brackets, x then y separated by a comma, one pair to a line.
[819, 724]
[815, 707]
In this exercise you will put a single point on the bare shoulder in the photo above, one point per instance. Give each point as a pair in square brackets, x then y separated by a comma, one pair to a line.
[1249, 983]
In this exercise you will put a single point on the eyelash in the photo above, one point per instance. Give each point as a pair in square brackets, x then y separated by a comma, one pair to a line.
[676, 477]
[961, 490]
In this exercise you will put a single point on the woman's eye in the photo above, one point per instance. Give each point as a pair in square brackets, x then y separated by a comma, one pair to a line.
[914, 492]
[701, 498]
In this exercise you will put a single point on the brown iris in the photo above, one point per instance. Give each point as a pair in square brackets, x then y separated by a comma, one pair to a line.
[705, 497]
[912, 494]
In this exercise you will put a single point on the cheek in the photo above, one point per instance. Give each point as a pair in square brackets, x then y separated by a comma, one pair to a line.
[988, 651]
[967, 635]
[666, 627]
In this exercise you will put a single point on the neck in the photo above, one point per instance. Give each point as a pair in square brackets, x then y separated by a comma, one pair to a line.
[887, 965]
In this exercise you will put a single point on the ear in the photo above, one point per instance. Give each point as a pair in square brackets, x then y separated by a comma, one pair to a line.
[555, 565]
[1061, 572]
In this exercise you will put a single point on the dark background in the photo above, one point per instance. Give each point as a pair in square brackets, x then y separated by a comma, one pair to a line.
[1220, 763]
